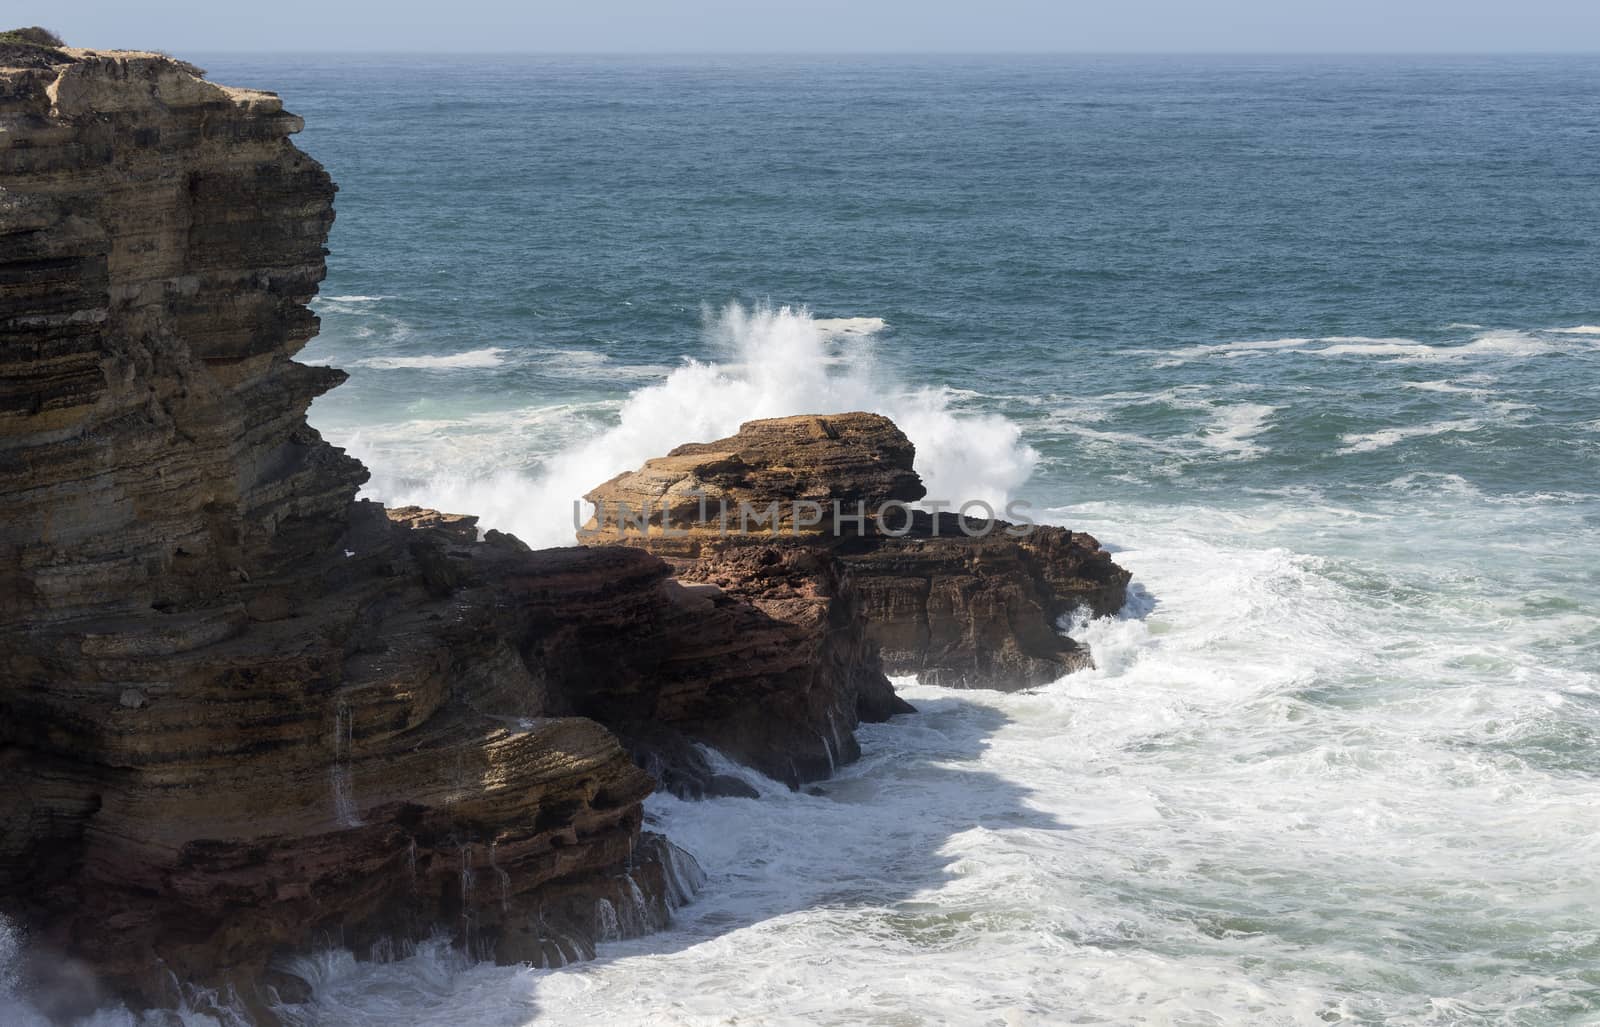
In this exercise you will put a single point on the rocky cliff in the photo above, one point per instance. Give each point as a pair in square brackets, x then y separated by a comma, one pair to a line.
[243, 713]
[958, 601]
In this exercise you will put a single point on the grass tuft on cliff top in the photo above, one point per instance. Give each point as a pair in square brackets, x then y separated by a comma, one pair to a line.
[33, 35]
[31, 47]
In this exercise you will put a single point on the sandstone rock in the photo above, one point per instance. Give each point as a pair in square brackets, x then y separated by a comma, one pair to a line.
[612, 636]
[774, 463]
[953, 606]
[983, 612]
[242, 713]
[807, 664]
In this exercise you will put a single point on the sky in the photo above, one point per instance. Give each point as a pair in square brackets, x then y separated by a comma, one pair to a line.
[540, 26]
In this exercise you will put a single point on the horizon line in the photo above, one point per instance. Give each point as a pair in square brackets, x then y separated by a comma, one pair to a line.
[438, 52]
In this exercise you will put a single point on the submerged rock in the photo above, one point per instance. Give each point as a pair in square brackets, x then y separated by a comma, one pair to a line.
[821, 503]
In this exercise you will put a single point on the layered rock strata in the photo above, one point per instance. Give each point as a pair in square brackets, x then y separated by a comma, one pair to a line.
[613, 636]
[971, 602]
[243, 714]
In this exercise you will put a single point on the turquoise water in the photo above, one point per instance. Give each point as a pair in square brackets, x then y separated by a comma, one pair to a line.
[1314, 344]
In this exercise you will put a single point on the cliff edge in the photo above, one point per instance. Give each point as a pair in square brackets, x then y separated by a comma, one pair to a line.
[244, 714]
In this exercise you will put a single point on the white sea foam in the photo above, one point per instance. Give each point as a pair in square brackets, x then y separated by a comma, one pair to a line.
[1238, 349]
[1214, 428]
[472, 358]
[1234, 427]
[1303, 784]
[1502, 344]
[353, 306]
[1357, 346]
[588, 365]
[777, 361]
[1579, 330]
[402, 454]
[1112, 441]
[1491, 344]
[1443, 386]
[1367, 442]
[833, 326]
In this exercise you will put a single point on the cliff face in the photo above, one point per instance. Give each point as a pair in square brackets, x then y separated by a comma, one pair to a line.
[972, 605]
[242, 713]
[161, 240]
[236, 712]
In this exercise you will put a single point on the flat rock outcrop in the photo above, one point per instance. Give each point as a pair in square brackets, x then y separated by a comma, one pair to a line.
[967, 602]
[243, 713]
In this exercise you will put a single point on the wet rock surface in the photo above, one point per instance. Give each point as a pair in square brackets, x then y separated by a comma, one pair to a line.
[971, 602]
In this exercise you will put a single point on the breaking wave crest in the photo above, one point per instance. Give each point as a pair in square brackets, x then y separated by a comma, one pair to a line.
[773, 362]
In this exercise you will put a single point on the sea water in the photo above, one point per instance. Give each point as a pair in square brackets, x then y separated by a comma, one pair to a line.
[1312, 344]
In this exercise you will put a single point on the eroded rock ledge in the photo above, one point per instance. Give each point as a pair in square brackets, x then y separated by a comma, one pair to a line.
[972, 603]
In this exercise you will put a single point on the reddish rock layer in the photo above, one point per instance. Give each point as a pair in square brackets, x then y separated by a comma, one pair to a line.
[965, 606]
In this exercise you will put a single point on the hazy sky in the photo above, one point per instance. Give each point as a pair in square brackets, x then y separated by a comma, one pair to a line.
[194, 26]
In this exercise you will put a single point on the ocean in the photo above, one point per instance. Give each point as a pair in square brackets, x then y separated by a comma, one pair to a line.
[1312, 344]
